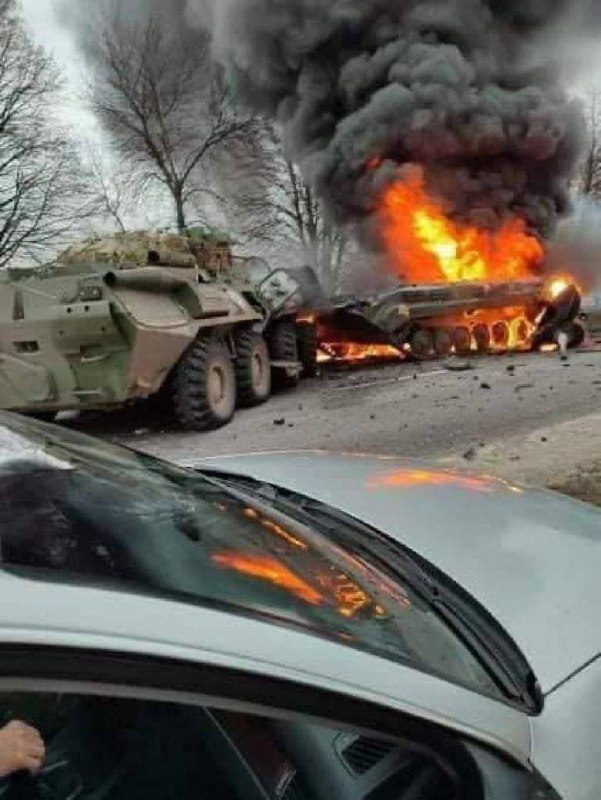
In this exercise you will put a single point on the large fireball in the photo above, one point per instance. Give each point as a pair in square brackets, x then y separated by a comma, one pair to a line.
[426, 246]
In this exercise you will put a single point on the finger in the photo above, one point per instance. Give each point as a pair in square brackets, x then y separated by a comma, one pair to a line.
[35, 751]
[32, 736]
[28, 728]
[32, 764]
[16, 725]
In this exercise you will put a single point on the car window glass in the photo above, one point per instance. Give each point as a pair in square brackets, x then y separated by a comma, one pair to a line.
[160, 529]
[103, 748]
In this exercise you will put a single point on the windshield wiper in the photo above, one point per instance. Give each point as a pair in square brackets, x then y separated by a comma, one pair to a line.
[474, 626]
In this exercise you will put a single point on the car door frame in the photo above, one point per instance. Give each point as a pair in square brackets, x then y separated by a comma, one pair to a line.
[44, 668]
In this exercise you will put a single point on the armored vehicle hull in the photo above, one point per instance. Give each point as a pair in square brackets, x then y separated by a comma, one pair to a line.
[100, 335]
[436, 320]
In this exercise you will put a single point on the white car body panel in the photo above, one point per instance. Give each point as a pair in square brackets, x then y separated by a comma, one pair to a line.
[531, 558]
[567, 736]
[88, 618]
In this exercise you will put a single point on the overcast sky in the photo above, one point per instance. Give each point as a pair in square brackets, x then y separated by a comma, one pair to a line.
[41, 20]
[43, 24]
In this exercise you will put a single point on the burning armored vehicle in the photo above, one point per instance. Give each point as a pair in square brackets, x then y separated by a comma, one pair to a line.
[462, 288]
[148, 316]
[436, 320]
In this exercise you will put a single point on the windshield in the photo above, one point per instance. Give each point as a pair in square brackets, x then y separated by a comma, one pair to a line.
[80, 510]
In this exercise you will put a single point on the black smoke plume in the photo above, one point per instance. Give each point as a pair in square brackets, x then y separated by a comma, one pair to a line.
[363, 87]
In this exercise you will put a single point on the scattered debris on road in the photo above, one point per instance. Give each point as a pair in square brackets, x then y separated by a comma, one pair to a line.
[522, 387]
[457, 365]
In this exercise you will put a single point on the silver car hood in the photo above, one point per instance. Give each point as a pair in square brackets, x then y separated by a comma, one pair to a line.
[533, 559]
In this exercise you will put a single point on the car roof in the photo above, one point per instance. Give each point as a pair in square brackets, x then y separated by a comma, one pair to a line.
[35, 612]
[531, 558]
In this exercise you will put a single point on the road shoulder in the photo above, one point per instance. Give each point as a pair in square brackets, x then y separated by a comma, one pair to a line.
[565, 457]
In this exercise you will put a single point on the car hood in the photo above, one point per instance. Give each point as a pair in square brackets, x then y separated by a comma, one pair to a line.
[532, 558]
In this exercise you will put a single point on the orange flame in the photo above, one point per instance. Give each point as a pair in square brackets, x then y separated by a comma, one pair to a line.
[407, 478]
[557, 284]
[428, 247]
[269, 569]
[352, 351]
[351, 598]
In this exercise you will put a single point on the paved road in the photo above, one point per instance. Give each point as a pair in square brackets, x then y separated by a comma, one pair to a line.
[398, 409]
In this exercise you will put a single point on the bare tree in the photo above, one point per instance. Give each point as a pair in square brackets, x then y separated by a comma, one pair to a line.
[590, 181]
[277, 205]
[166, 104]
[302, 214]
[111, 189]
[42, 187]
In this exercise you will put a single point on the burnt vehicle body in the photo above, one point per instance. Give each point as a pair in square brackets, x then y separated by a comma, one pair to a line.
[436, 320]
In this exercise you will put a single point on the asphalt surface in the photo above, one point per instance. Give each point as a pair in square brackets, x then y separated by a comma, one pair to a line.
[397, 409]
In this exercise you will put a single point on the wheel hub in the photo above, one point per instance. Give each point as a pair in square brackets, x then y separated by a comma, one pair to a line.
[217, 386]
[258, 371]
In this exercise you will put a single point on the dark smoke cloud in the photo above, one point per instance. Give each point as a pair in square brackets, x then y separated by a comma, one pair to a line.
[463, 87]
[84, 15]
[455, 85]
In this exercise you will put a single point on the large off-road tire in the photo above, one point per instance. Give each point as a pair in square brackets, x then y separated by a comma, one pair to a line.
[307, 348]
[204, 386]
[283, 346]
[253, 369]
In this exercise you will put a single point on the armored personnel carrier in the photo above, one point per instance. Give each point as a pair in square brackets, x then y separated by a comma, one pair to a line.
[132, 317]
[286, 298]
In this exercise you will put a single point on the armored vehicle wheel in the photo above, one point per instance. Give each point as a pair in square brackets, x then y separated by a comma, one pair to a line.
[481, 335]
[422, 343]
[443, 342]
[253, 369]
[307, 348]
[576, 334]
[501, 335]
[463, 340]
[283, 346]
[204, 386]
[519, 331]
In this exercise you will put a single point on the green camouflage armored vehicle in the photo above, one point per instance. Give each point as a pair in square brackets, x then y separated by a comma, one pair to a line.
[132, 317]
[286, 298]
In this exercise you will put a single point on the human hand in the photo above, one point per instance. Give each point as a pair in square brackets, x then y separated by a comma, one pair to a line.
[21, 748]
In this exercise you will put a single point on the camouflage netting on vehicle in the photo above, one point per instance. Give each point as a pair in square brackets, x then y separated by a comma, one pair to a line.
[124, 248]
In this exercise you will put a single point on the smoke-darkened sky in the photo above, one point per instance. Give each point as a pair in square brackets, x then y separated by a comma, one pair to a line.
[466, 88]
